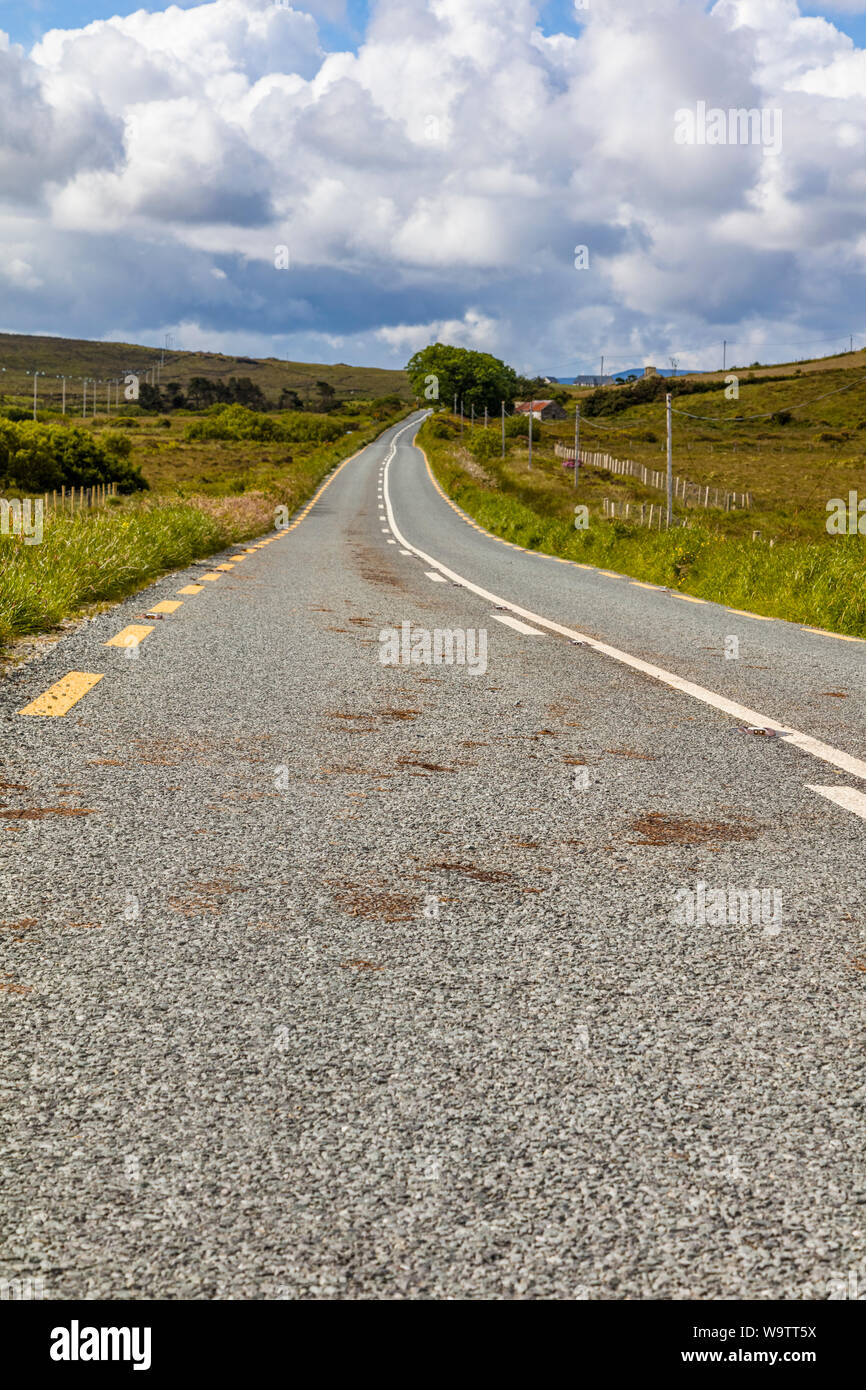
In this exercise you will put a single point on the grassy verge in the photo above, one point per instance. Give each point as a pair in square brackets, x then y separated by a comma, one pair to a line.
[103, 554]
[821, 583]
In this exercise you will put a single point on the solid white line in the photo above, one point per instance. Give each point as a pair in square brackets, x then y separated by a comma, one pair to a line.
[517, 624]
[849, 797]
[846, 762]
[437, 578]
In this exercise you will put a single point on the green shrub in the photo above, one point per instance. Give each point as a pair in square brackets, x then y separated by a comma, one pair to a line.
[484, 444]
[39, 458]
[517, 427]
[237, 422]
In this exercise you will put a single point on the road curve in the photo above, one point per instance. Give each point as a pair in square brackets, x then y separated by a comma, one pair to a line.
[324, 977]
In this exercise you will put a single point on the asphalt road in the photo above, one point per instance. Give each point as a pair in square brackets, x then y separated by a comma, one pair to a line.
[329, 978]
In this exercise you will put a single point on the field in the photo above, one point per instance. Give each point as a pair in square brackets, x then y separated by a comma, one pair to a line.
[792, 466]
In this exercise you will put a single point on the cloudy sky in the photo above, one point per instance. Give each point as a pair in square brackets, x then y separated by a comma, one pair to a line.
[431, 167]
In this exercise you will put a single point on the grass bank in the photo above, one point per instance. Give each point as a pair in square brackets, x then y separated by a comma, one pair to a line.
[821, 582]
[106, 553]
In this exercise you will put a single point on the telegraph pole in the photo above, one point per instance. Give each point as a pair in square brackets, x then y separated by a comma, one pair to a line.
[502, 403]
[84, 401]
[670, 459]
[531, 403]
[64, 395]
[601, 383]
[35, 386]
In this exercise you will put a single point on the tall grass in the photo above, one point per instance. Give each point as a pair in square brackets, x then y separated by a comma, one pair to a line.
[820, 583]
[98, 555]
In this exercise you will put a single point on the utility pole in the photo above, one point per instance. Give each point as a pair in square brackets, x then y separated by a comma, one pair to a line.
[502, 404]
[84, 401]
[108, 397]
[455, 402]
[485, 417]
[601, 383]
[35, 386]
[576, 441]
[670, 459]
[64, 395]
[472, 418]
[531, 403]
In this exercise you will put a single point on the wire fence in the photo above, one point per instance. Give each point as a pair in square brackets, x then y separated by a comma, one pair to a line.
[690, 494]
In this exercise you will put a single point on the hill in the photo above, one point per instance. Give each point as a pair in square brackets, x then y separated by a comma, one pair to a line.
[77, 358]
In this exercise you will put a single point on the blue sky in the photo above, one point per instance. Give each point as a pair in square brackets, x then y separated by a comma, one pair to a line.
[437, 183]
[26, 20]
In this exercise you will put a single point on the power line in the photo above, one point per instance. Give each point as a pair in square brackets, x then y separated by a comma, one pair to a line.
[767, 415]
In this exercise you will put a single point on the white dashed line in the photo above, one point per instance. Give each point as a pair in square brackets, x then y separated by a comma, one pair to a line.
[517, 624]
[849, 797]
[824, 752]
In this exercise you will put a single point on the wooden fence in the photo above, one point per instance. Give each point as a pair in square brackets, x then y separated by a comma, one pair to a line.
[688, 493]
[75, 499]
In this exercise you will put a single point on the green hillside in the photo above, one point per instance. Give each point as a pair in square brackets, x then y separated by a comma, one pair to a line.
[77, 358]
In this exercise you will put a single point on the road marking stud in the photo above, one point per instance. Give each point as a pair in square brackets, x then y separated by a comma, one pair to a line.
[60, 697]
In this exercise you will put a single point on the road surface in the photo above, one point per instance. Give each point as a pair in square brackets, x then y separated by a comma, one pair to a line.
[324, 977]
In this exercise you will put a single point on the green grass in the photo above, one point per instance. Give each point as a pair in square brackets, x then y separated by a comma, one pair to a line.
[820, 582]
[104, 554]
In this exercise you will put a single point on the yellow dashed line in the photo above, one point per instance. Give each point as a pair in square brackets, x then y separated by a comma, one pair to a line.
[842, 636]
[639, 584]
[687, 598]
[60, 697]
[611, 574]
[743, 613]
[224, 567]
[167, 606]
[191, 589]
[130, 636]
[211, 577]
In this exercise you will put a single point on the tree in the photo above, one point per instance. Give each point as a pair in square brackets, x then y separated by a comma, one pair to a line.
[439, 372]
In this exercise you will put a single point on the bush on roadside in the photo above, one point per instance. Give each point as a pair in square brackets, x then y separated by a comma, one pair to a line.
[235, 422]
[39, 458]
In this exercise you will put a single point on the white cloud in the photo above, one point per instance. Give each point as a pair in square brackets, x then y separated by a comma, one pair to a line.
[436, 181]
